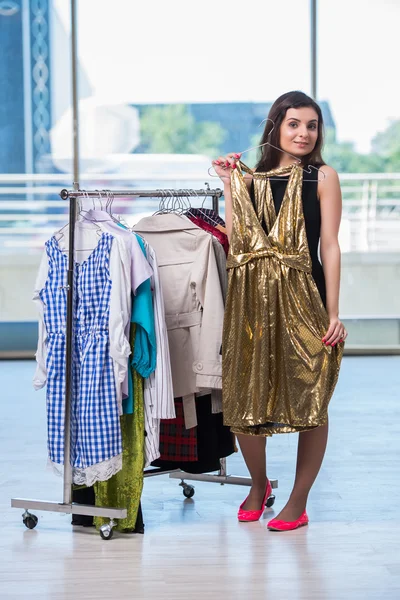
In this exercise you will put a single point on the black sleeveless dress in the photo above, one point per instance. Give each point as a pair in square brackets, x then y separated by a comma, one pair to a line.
[312, 218]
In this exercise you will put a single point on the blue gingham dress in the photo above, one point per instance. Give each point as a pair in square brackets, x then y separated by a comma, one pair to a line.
[95, 424]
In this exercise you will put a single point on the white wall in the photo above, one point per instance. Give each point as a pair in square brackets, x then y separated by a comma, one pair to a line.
[370, 287]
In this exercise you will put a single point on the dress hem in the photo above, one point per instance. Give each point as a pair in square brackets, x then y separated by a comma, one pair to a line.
[268, 430]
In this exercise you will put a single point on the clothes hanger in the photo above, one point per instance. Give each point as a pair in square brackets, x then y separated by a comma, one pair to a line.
[164, 204]
[109, 204]
[162, 208]
[160, 204]
[81, 212]
[207, 216]
[306, 170]
[117, 218]
[84, 217]
[170, 203]
[200, 210]
[84, 213]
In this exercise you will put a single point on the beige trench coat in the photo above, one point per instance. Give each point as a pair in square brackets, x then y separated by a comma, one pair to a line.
[194, 306]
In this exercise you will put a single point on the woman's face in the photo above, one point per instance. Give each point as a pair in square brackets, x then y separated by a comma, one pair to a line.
[299, 131]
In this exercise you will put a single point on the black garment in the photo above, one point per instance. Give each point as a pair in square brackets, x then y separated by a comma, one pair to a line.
[208, 215]
[214, 441]
[312, 218]
[83, 495]
[86, 495]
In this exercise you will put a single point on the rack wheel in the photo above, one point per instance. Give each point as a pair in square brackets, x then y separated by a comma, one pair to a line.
[106, 531]
[30, 521]
[188, 491]
[270, 502]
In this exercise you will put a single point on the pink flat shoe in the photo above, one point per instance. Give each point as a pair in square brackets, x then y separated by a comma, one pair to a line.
[277, 525]
[255, 515]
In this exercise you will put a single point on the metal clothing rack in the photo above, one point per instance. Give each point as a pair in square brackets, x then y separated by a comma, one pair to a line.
[67, 506]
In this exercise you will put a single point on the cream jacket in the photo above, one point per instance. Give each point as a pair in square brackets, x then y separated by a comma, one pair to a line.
[194, 307]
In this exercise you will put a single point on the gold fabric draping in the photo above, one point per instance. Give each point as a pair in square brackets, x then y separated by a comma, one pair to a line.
[278, 376]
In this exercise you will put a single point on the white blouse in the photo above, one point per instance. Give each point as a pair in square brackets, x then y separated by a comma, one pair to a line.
[158, 388]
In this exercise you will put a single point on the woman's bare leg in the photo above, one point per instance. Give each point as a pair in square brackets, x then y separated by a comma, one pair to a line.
[310, 454]
[253, 450]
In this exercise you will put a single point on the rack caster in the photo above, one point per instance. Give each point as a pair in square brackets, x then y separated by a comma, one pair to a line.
[29, 520]
[270, 502]
[106, 531]
[187, 490]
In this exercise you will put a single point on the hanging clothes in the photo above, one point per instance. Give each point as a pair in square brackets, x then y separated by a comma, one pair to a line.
[193, 304]
[278, 375]
[87, 237]
[221, 237]
[158, 393]
[125, 487]
[221, 246]
[214, 441]
[158, 388]
[145, 348]
[96, 443]
[176, 442]
[143, 362]
[220, 258]
[140, 270]
[208, 215]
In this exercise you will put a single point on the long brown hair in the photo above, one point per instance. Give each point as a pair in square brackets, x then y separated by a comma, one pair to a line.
[270, 157]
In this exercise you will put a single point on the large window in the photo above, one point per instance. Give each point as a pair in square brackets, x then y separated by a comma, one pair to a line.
[163, 89]
[355, 73]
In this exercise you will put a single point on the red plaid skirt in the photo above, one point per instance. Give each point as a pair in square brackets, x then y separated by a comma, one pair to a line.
[176, 442]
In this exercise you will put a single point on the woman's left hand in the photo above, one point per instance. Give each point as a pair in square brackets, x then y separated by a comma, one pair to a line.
[335, 334]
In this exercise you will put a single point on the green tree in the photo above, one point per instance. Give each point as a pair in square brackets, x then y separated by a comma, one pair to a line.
[392, 164]
[173, 130]
[387, 144]
[343, 157]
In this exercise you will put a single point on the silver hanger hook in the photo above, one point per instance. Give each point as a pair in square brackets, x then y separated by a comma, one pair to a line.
[273, 124]
[110, 200]
[308, 170]
[204, 200]
[186, 199]
[86, 197]
[93, 202]
[99, 197]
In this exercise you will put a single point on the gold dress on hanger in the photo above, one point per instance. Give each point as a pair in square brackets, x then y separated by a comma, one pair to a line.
[278, 376]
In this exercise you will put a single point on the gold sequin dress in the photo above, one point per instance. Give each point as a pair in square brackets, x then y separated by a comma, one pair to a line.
[278, 376]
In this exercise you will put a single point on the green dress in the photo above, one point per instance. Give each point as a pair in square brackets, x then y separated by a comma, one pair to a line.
[124, 489]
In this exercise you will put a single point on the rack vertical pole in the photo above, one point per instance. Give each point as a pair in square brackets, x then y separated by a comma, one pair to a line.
[314, 49]
[67, 495]
[69, 338]
[75, 93]
[215, 204]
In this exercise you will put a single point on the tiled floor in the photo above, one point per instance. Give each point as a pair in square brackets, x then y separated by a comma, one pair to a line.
[195, 548]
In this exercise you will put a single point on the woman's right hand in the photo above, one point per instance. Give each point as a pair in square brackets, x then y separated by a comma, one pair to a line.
[223, 166]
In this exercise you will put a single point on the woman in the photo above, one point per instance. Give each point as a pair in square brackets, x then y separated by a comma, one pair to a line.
[283, 339]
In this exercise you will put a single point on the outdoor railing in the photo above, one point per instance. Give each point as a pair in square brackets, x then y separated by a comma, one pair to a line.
[31, 210]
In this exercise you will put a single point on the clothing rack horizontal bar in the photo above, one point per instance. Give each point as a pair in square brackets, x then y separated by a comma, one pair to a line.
[222, 479]
[182, 193]
[71, 508]
[158, 471]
